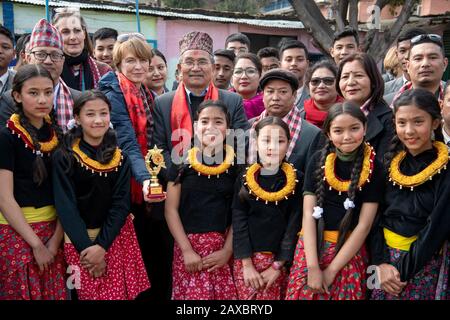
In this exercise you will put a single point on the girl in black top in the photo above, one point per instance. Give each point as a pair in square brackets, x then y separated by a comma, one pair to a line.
[408, 245]
[91, 180]
[31, 260]
[198, 211]
[266, 215]
[343, 186]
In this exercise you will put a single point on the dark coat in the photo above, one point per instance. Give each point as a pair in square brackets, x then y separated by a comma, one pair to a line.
[162, 125]
[380, 129]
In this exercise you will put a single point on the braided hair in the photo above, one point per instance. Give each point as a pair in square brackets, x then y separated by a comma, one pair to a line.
[24, 74]
[336, 110]
[424, 100]
[106, 149]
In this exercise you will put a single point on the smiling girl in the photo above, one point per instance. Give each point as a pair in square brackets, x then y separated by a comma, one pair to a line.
[198, 211]
[343, 186]
[31, 262]
[408, 245]
[91, 179]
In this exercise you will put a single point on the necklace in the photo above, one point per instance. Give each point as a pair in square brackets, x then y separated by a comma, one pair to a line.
[254, 188]
[95, 166]
[343, 185]
[440, 163]
[211, 170]
[46, 146]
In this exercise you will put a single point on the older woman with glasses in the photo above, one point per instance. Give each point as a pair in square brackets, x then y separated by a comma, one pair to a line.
[245, 81]
[81, 71]
[321, 81]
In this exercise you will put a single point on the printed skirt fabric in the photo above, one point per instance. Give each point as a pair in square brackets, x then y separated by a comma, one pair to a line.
[125, 275]
[202, 285]
[349, 284]
[431, 283]
[20, 278]
[261, 261]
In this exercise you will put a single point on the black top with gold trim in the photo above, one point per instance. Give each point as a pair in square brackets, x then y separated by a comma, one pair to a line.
[423, 212]
[91, 195]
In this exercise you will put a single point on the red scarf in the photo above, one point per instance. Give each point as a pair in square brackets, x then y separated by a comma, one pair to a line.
[137, 113]
[314, 115]
[180, 117]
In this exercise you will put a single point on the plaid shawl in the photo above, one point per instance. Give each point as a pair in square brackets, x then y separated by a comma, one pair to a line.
[64, 105]
[293, 119]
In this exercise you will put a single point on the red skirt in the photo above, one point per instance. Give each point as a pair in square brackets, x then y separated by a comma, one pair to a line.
[125, 275]
[203, 285]
[349, 284]
[20, 278]
[261, 262]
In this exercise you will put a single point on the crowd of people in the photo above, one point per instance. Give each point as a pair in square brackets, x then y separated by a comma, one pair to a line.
[282, 179]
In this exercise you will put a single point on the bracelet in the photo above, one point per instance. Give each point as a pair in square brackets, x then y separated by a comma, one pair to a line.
[277, 265]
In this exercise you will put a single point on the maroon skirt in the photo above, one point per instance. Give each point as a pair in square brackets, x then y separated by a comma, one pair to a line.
[202, 285]
[20, 278]
[125, 275]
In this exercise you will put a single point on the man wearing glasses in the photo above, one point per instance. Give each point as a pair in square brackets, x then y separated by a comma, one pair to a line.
[426, 65]
[174, 112]
[46, 48]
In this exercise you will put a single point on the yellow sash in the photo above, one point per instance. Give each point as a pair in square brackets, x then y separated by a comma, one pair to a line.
[35, 215]
[329, 236]
[397, 241]
[92, 233]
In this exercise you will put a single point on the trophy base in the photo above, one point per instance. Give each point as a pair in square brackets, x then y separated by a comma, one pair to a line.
[156, 193]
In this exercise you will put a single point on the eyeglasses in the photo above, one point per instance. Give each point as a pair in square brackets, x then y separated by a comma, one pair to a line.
[435, 38]
[328, 81]
[127, 36]
[41, 56]
[203, 63]
[250, 72]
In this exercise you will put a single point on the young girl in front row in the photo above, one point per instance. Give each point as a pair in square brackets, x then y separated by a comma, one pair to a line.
[343, 186]
[266, 216]
[198, 211]
[409, 245]
[31, 260]
[91, 180]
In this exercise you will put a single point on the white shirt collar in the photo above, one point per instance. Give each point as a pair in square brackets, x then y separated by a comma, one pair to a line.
[3, 80]
[188, 92]
[446, 135]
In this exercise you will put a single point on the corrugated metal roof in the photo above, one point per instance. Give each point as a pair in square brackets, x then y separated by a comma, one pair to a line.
[285, 24]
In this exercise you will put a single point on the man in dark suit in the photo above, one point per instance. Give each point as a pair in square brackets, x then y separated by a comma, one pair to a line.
[279, 89]
[402, 52]
[6, 56]
[174, 112]
[46, 48]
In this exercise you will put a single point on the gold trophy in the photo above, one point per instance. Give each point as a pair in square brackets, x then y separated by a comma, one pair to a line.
[154, 161]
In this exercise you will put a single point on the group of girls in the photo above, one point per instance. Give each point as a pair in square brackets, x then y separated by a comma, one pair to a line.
[64, 201]
[262, 231]
[282, 234]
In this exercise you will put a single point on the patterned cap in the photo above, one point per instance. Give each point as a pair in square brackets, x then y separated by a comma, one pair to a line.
[45, 35]
[196, 41]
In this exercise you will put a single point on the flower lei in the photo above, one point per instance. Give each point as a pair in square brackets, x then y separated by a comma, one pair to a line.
[343, 185]
[440, 163]
[255, 189]
[95, 166]
[211, 170]
[46, 146]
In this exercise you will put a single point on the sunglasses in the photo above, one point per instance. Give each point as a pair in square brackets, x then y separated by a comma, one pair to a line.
[435, 38]
[127, 36]
[328, 81]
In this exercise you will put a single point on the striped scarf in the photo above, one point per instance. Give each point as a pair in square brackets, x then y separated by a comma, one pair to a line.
[64, 105]
[294, 121]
